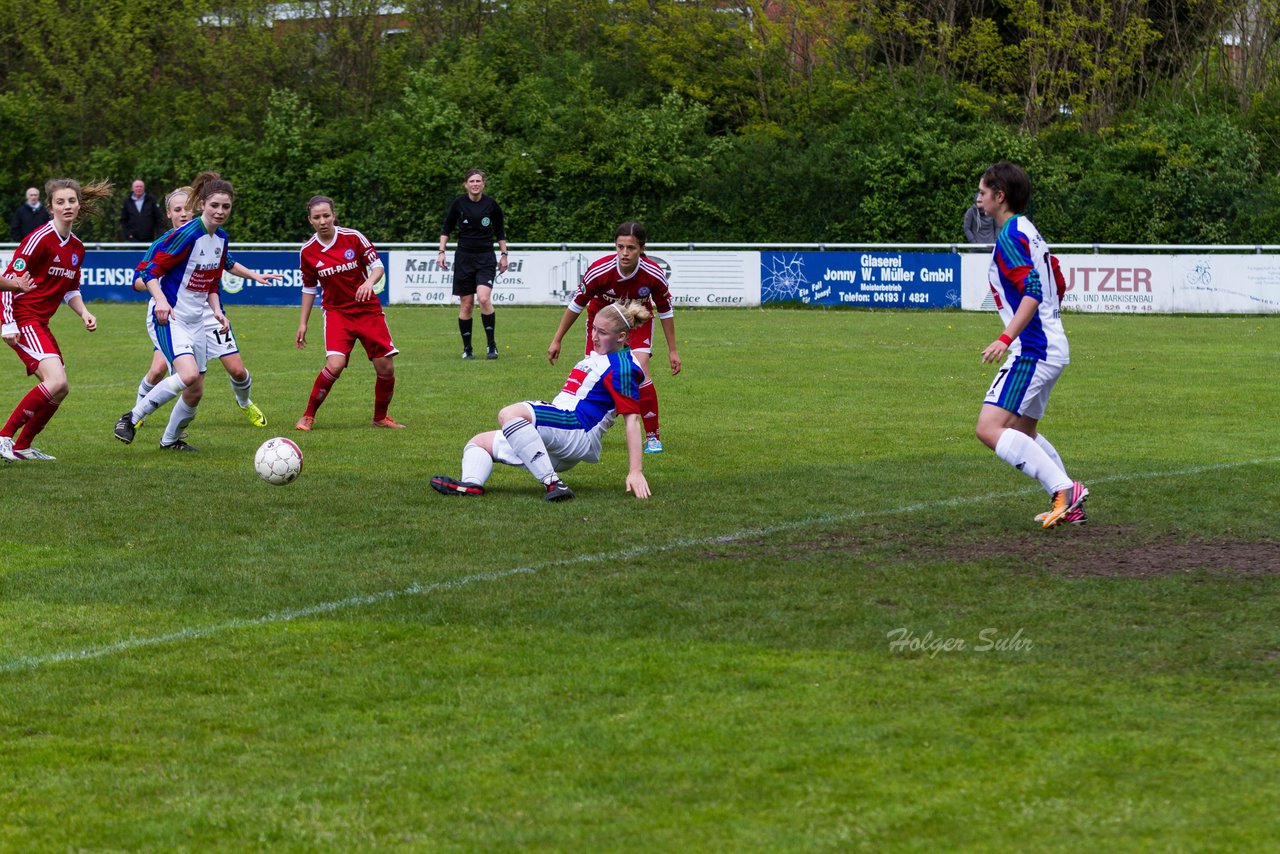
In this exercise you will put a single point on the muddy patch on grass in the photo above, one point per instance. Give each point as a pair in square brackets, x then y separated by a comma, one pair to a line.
[1100, 555]
[1074, 552]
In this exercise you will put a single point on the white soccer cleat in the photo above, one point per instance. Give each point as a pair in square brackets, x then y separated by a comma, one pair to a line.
[6, 449]
[32, 454]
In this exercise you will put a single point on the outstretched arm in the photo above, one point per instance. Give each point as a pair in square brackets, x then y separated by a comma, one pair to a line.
[238, 269]
[365, 291]
[77, 305]
[21, 283]
[669, 332]
[308, 300]
[636, 484]
[553, 351]
[1026, 310]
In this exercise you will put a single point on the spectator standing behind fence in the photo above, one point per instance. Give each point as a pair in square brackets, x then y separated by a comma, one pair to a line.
[978, 227]
[141, 219]
[29, 216]
[478, 220]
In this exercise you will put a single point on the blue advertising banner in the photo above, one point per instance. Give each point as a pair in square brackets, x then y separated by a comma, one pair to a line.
[108, 275]
[866, 279]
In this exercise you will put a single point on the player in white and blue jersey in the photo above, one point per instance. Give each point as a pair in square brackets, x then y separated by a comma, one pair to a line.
[1026, 284]
[550, 438]
[183, 277]
[220, 345]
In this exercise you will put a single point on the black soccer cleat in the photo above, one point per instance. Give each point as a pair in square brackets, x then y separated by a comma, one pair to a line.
[492, 353]
[446, 485]
[181, 447]
[557, 491]
[125, 428]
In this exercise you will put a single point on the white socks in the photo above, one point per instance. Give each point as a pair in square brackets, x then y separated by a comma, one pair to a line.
[144, 388]
[241, 390]
[1051, 451]
[182, 415]
[477, 465]
[1027, 456]
[163, 392]
[529, 447]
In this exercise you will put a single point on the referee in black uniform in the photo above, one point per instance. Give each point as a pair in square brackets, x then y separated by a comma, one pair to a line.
[478, 221]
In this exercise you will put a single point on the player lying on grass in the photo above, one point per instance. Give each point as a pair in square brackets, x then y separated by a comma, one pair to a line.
[547, 438]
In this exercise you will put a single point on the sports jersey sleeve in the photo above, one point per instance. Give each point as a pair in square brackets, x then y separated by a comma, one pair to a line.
[587, 286]
[450, 219]
[497, 224]
[661, 295]
[1013, 256]
[140, 269]
[8, 326]
[24, 259]
[173, 251]
[369, 252]
[310, 281]
[581, 296]
[24, 256]
[623, 382]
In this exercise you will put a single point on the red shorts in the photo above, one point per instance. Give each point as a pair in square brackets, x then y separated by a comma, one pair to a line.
[342, 331]
[35, 344]
[639, 339]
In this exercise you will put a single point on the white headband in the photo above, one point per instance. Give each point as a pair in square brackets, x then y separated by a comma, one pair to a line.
[621, 314]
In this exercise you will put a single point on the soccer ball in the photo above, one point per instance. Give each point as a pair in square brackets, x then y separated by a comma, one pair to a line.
[278, 461]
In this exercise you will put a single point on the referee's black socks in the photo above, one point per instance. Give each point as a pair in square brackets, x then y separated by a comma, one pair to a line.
[487, 321]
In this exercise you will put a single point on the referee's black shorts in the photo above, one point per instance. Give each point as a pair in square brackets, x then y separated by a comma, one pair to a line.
[472, 269]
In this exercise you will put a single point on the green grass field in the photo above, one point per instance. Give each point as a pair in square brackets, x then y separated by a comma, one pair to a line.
[763, 657]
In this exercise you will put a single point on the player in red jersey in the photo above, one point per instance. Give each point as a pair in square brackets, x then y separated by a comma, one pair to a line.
[344, 265]
[627, 275]
[51, 255]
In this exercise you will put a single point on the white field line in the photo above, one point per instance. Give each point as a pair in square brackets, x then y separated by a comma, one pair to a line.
[128, 644]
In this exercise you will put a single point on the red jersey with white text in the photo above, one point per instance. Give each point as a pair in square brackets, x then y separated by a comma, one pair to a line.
[338, 270]
[604, 283]
[54, 264]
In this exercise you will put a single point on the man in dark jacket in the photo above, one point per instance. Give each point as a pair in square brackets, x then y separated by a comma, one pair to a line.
[141, 218]
[29, 216]
[978, 227]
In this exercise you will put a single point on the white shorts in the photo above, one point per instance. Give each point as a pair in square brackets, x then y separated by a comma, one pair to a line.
[567, 446]
[1022, 386]
[176, 338]
[217, 342]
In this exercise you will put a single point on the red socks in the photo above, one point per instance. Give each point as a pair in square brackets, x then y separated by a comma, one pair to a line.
[320, 390]
[383, 389]
[649, 407]
[31, 415]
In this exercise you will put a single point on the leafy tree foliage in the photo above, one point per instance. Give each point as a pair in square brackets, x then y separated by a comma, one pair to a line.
[711, 120]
